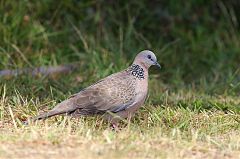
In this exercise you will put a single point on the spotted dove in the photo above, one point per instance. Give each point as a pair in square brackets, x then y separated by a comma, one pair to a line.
[116, 96]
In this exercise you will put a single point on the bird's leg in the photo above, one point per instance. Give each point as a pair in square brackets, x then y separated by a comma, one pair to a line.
[114, 126]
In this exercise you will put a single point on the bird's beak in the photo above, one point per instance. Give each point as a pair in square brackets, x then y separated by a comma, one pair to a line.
[157, 64]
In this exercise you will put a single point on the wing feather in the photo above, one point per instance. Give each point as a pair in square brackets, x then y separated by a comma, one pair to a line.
[114, 93]
[111, 94]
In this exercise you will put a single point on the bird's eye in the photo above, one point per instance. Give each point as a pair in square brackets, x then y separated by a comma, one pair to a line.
[149, 56]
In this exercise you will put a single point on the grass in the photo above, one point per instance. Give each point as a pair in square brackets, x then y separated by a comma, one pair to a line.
[193, 106]
[182, 125]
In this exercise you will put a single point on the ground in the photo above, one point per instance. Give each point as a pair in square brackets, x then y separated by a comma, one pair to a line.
[157, 131]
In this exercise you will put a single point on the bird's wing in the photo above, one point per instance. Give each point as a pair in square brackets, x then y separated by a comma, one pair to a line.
[113, 93]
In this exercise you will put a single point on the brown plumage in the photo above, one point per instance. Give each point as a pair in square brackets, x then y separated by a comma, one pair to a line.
[120, 93]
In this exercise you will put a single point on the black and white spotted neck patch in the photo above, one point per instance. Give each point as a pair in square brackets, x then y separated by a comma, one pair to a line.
[136, 71]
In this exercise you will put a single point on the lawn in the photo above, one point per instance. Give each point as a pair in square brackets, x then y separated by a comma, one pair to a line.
[193, 106]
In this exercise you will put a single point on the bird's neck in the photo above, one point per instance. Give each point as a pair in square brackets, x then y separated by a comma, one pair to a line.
[138, 71]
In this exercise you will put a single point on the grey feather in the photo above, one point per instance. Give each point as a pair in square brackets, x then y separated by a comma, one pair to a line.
[114, 93]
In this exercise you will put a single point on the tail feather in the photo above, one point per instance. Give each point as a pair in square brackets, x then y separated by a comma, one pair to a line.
[46, 115]
[64, 107]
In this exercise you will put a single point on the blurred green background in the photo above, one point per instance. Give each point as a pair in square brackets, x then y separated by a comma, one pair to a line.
[196, 41]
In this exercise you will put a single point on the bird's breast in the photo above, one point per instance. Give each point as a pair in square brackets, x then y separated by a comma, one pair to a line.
[142, 88]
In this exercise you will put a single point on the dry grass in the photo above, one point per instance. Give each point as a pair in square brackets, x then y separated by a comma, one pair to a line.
[44, 141]
[156, 132]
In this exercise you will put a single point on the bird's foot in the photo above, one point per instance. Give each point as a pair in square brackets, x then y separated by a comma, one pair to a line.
[114, 127]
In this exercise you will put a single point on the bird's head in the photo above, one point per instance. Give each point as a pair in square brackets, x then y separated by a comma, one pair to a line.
[146, 59]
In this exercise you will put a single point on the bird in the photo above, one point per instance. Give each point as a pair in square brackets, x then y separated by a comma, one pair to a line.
[117, 96]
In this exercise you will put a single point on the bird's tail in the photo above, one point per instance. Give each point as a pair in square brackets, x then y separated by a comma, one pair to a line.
[47, 115]
[64, 107]
[43, 116]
